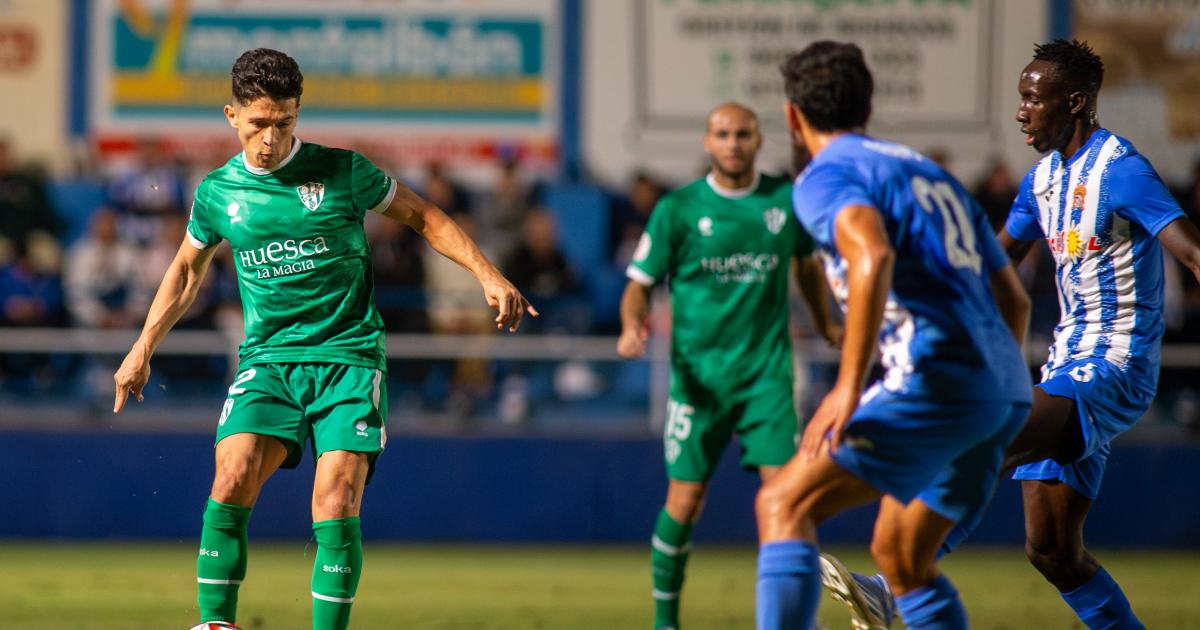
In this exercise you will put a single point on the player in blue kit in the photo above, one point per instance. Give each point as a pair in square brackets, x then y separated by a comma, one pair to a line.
[1104, 212]
[911, 258]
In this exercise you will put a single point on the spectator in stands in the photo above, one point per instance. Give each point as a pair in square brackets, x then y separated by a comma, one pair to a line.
[152, 189]
[30, 294]
[102, 277]
[398, 260]
[538, 265]
[25, 208]
[153, 262]
[630, 214]
[502, 208]
[995, 192]
[453, 307]
[940, 156]
[444, 192]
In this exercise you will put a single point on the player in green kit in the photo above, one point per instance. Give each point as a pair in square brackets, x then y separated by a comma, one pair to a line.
[725, 244]
[312, 365]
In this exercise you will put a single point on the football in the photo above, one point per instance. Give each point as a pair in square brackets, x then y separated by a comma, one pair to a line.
[215, 625]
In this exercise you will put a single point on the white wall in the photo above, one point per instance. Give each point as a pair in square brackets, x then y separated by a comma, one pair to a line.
[33, 110]
[614, 144]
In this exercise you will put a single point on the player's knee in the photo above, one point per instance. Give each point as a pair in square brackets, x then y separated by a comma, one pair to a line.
[329, 505]
[1048, 556]
[235, 481]
[684, 505]
[883, 551]
[774, 505]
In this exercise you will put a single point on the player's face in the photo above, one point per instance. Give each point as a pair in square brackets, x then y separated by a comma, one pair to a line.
[264, 127]
[732, 141]
[1045, 111]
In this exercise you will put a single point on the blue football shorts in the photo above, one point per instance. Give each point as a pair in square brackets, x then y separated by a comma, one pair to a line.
[1109, 402]
[945, 453]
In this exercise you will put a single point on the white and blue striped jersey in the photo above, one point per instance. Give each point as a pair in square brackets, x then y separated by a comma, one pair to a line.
[1100, 212]
[942, 335]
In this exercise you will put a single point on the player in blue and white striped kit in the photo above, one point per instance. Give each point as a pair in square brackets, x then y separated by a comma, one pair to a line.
[912, 259]
[1104, 213]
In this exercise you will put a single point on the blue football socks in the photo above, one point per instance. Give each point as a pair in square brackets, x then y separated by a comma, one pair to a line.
[934, 606]
[1100, 604]
[789, 583]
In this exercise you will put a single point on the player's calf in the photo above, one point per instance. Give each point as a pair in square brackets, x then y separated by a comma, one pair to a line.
[336, 571]
[221, 562]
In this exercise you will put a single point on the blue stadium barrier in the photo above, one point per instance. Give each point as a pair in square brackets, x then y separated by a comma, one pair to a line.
[499, 489]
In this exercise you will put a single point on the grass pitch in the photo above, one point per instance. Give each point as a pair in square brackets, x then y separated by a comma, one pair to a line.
[134, 586]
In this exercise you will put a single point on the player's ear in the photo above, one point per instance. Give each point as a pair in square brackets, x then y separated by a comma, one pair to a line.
[1078, 102]
[793, 116]
[231, 115]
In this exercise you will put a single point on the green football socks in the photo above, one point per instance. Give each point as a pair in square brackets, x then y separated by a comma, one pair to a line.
[668, 557]
[221, 564]
[336, 570]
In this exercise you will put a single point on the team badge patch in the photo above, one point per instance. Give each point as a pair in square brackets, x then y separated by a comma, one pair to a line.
[311, 194]
[775, 219]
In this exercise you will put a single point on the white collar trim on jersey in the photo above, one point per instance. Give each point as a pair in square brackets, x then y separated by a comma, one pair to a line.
[267, 171]
[732, 193]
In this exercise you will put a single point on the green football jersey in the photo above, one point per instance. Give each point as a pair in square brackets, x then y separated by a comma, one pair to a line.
[302, 258]
[727, 257]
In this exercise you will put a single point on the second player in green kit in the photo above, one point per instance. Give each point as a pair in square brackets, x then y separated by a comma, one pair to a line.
[311, 370]
[728, 254]
[725, 244]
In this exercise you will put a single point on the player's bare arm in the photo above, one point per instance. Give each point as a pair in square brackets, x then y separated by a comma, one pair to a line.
[1013, 302]
[862, 241]
[448, 239]
[635, 306]
[1016, 249]
[810, 278]
[1182, 239]
[175, 295]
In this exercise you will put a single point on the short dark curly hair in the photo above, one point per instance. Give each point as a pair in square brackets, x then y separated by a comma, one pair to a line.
[265, 72]
[830, 83]
[1079, 66]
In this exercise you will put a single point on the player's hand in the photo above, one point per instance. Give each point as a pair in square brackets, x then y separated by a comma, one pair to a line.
[632, 343]
[829, 422]
[505, 298]
[132, 376]
[833, 334]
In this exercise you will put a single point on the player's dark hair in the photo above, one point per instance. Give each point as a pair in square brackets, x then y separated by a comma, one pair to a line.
[830, 83]
[1079, 66]
[265, 72]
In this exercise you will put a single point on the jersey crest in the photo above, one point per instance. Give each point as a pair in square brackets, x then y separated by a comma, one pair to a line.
[775, 218]
[311, 194]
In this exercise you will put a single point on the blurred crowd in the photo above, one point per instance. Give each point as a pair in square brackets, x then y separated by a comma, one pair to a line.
[99, 267]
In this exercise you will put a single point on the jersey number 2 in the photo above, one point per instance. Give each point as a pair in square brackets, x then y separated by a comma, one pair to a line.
[960, 234]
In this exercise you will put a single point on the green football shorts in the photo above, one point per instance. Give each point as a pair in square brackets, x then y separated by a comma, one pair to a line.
[699, 425]
[339, 407]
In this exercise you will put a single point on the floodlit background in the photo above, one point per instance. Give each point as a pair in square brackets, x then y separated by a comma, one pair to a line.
[549, 129]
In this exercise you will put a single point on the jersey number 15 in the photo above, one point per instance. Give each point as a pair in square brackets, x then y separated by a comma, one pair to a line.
[959, 236]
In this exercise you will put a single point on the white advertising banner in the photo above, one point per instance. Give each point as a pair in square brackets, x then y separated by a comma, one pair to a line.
[930, 58]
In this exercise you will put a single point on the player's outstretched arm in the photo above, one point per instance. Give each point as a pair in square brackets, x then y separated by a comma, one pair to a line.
[448, 239]
[635, 306]
[810, 278]
[863, 243]
[1013, 302]
[175, 295]
[1182, 239]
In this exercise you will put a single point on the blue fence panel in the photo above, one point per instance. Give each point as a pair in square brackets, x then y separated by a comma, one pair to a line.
[134, 486]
